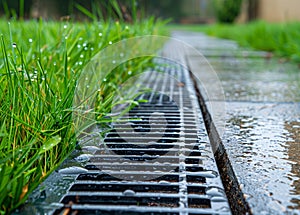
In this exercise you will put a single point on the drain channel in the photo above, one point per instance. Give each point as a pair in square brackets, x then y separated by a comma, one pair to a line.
[157, 161]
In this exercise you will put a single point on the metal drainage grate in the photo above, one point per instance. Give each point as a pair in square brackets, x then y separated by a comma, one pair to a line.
[157, 162]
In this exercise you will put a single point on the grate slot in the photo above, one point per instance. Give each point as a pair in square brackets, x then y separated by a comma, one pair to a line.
[113, 159]
[121, 200]
[138, 146]
[132, 167]
[107, 177]
[97, 177]
[138, 140]
[194, 168]
[195, 179]
[147, 110]
[143, 152]
[67, 211]
[194, 153]
[149, 135]
[199, 203]
[161, 122]
[192, 161]
[153, 126]
[199, 190]
[151, 113]
[117, 167]
[124, 187]
[152, 150]
[162, 109]
[167, 130]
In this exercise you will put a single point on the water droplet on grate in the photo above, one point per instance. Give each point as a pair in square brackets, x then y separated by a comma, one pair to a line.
[214, 192]
[206, 174]
[90, 148]
[129, 193]
[83, 158]
[73, 170]
[163, 182]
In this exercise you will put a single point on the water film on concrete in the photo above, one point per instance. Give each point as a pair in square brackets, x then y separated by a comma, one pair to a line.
[262, 120]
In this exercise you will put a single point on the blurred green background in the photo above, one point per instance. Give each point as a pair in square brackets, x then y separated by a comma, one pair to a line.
[190, 11]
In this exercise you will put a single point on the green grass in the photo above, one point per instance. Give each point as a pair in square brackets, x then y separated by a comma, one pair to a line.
[281, 39]
[40, 63]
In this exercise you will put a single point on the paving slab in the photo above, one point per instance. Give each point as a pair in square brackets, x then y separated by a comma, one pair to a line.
[262, 120]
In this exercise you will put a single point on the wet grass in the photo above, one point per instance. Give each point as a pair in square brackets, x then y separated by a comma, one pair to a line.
[40, 63]
[281, 39]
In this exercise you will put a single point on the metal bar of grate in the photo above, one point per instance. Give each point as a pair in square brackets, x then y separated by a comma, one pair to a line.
[170, 170]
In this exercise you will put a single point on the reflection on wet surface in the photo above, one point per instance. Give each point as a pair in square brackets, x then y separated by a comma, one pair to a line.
[258, 79]
[262, 130]
[262, 141]
[262, 134]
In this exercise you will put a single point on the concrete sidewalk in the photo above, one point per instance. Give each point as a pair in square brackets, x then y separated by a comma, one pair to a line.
[260, 130]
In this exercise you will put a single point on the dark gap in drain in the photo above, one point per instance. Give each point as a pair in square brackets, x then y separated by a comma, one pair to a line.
[193, 153]
[127, 159]
[199, 203]
[123, 187]
[194, 168]
[147, 134]
[192, 161]
[133, 167]
[196, 190]
[107, 177]
[142, 122]
[130, 151]
[191, 136]
[122, 200]
[147, 111]
[140, 146]
[195, 179]
[137, 140]
[97, 177]
[70, 211]
[166, 108]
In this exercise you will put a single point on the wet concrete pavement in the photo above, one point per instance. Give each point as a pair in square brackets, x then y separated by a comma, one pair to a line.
[261, 140]
[262, 121]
